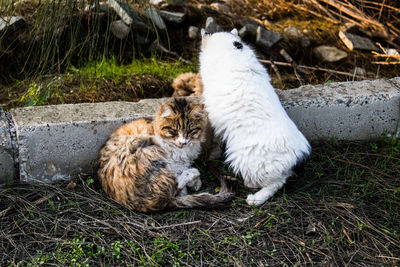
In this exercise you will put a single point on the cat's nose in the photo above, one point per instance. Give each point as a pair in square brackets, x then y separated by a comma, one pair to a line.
[181, 142]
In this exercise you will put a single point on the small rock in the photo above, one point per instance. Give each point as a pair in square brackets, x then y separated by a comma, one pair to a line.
[156, 2]
[266, 38]
[248, 31]
[124, 11]
[120, 29]
[350, 28]
[142, 27]
[212, 26]
[10, 23]
[152, 13]
[359, 71]
[295, 34]
[176, 17]
[193, 32]
[100, 7]
[221, 8]
[356, 42]
[329, 53]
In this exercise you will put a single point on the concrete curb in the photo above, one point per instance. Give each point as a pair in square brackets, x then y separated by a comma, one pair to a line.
[59, 142]
[7, 169]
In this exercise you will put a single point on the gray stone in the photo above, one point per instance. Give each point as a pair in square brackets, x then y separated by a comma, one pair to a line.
[7, 171]
[212, 26]
[96, 7]
[156, 2]
[248, 31]
[120, 29]
[10, 23]
[350, 28]
[124, 11]
[193, 32]
[295, 34]
[356, 42]
[347, 110]
[266, 38]
[154, 16]
[360, 71]
[221, 8]
[176, 17]
[329, 53]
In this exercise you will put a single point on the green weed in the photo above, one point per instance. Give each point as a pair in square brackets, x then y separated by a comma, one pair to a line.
[113, 70]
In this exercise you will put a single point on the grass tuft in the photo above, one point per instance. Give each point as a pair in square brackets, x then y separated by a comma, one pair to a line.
[113, 70]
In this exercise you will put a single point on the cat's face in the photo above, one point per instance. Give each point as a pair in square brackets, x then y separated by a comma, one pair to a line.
[180, 122]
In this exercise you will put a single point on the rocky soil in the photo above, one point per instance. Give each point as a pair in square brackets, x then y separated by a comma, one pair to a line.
[299, 42]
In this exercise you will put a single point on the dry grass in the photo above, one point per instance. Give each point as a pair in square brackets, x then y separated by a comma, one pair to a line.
[342, 211]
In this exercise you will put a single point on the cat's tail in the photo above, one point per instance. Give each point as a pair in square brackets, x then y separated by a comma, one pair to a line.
[203, 200]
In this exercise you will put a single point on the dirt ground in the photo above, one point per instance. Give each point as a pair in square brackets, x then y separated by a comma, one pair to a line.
[342, 210]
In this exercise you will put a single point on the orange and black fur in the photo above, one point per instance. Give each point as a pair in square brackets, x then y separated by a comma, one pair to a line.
[187, 84]
[146, 164]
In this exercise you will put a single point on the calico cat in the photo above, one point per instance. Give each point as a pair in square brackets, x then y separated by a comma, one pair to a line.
[146, 164]
[187, 84]
[262, 142]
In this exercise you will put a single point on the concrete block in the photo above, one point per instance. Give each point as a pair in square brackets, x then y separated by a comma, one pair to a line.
[346, 110]
[7, 171]
[61, 141]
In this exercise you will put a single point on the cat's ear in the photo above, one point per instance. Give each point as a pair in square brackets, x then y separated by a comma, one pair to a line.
[165, 111]
[203, 32]
[235, 32]
[204, 38]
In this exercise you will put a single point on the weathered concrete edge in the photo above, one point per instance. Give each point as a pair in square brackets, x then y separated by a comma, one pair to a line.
[7, 168]
[54, 144]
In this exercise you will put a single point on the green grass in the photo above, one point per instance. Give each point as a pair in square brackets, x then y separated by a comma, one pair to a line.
[111, 69]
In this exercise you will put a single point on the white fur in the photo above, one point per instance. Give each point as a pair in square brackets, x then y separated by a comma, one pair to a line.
[180, 160]
[263, 143]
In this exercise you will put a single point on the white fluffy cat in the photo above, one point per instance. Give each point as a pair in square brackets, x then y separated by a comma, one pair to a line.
[262, 142]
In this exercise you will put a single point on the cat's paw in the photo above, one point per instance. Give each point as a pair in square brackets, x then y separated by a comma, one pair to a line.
[195, 181]
[193, 172]
[195, 184]
[252, 200]
[183, 192]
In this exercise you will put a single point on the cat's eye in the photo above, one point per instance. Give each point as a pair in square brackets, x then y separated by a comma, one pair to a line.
[170, 130]
[238, 45]
[194, 131]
